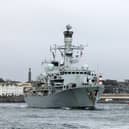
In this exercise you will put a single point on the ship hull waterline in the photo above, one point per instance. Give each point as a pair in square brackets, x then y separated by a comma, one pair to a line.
[79, 98]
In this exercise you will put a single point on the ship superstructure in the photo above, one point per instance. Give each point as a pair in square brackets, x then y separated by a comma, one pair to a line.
[64, 82]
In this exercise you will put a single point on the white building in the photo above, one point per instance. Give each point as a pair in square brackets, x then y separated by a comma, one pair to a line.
[12, 89]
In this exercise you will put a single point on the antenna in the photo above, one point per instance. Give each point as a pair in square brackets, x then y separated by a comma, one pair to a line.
[68, 27]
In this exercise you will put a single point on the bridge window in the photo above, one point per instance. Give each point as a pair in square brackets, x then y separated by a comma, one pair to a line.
[89, 73]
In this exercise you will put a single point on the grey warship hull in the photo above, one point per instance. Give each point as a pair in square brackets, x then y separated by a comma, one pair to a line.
[72, 98]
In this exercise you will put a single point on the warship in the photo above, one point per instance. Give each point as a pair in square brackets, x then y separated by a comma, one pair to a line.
[64, 82]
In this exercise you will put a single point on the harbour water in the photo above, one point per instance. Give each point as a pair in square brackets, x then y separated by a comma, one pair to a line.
[106, 116]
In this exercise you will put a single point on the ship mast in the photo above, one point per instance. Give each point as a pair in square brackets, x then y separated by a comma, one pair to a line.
[68, 44]
[67, 50]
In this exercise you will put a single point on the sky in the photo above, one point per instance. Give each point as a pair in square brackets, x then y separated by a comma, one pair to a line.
[29, 27]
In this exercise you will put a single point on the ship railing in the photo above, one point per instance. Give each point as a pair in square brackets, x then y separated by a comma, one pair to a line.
[73, 47]
[92, 84]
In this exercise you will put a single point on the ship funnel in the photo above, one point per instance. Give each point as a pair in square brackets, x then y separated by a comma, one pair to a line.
[68, 36]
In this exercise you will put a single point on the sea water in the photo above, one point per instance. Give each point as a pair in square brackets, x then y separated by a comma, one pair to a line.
[105, 116]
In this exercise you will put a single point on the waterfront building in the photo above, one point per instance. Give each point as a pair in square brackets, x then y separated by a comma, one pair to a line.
[12, 89]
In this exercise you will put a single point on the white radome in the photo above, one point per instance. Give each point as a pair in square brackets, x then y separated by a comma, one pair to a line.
[49, 67]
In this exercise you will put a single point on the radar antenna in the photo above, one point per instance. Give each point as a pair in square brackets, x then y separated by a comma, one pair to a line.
[68, 27]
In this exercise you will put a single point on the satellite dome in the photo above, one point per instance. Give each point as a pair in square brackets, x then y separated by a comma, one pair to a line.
[49, 67]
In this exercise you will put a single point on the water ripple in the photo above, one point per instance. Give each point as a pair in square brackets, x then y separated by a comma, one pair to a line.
[106, 116]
